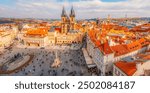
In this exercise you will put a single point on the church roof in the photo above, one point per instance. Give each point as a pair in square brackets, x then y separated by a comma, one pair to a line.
[72, 14]
[64, 14]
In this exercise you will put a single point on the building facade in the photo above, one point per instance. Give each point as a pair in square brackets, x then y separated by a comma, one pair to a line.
[104, 54]
[65, 34]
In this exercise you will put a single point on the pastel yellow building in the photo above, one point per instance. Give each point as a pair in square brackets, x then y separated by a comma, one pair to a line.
[36, 37]
[5, 39]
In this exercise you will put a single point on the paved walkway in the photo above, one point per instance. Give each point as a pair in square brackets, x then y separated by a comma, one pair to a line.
[88, 60]
[73, 63]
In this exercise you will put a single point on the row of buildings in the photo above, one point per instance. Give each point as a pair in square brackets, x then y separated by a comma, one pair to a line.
[110, 43]
[114, 49]
[44, 34]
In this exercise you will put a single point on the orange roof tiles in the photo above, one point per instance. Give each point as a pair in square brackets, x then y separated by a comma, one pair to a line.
[98, 43]
[37, 32]
[141, 29]
[105, 48]
[147, 57]
[129, 68]
[92, 34]
[114, 26]
[119, 50]
[117, 27]
[58, 29]
[143, 42]
[107, 26]
[133, 46]
[137, 44]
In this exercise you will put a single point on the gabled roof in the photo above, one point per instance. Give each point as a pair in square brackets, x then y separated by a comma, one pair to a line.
[105, 48]
[143, 42]
[141, 28]
[37, 32]
[72, 14]
[137, 44]
[133, 46]
[64, 14]
[129, 68]
[119, 50]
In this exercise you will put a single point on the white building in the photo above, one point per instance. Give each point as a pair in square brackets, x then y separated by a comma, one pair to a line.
[104, 55]
[131, 68]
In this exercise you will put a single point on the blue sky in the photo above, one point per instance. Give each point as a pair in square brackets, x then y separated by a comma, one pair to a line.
[10, 2]
[83, 8]
[7, 2]
[112, 0]
[101, 0]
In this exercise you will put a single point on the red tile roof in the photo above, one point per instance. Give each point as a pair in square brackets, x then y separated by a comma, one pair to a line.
[117, 27]
[37, 32]
[147, 57]
[137, 44]
[133, 46]
[98, 43]
[107, 26]
[105, 48]
[119, 50]
[58, 30]
[143, 42]
[129, 68]
[141, 28]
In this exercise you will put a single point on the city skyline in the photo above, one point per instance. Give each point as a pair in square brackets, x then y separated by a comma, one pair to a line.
[70, 46]
[84, 8]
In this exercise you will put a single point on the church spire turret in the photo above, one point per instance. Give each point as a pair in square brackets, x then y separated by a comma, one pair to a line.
[65, 22]
[68, 22]
[72, 14]
[72, 19]
[64, 14]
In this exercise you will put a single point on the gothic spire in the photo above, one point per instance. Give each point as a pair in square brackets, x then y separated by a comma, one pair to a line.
[72, 14]
[63, 12]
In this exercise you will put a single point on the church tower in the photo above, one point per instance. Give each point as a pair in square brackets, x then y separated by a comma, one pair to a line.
[65, 22]
[72, 19]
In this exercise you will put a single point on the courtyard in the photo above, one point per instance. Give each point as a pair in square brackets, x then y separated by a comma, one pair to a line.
[73, 62]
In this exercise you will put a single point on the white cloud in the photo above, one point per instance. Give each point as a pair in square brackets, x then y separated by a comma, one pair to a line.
[84, 8]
